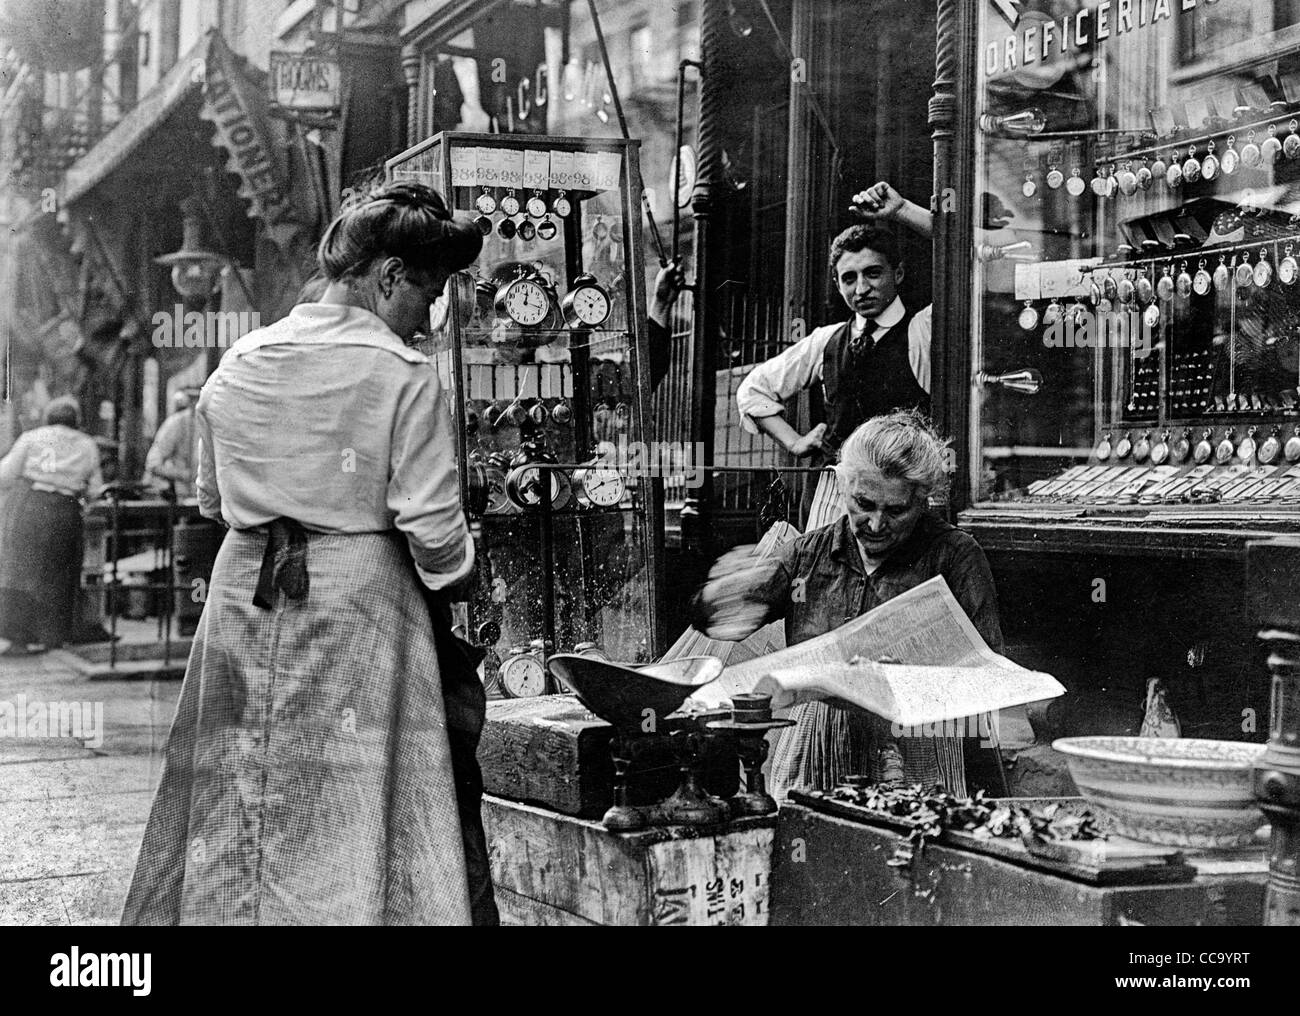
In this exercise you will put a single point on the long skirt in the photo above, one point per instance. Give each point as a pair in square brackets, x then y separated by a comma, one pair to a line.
[828, 742]
[307, 776]
[40, 565]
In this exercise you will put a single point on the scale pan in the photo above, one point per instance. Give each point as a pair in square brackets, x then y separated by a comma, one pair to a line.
[619, 694]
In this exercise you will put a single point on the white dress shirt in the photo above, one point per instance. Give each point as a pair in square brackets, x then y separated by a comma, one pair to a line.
[326, 417]
[54, 458]
[766, 388]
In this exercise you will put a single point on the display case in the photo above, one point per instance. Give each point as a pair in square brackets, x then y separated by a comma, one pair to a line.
[541, 347]
[1136, 309]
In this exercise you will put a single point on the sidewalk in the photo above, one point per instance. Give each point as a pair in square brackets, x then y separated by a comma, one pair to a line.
[72, 815]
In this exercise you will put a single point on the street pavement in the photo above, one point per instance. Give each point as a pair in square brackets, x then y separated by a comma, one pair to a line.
[72, 813]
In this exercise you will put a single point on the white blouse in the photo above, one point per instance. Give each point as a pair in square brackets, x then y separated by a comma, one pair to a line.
[326, 417]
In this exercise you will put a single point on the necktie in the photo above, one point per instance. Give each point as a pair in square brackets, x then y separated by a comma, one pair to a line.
[860, 343]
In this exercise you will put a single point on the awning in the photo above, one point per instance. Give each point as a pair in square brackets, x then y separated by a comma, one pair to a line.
[234, 105]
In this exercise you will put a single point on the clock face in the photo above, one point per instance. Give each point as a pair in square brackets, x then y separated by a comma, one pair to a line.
[524, 487]
[510, 204]
[526, 302]
[590, 305]
[522, 676]
[485, 203]
[604, 488]
[561, 207]
[536, 207]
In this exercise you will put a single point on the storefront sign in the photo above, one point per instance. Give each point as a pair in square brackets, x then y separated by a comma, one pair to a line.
[1038, 39]
[304, 82]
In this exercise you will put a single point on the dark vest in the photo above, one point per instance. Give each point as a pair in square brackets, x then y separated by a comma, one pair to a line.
[870, 382]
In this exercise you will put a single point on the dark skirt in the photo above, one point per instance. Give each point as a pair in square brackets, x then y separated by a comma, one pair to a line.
[40, 564]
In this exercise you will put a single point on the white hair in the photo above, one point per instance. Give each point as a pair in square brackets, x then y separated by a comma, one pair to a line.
[900, 445]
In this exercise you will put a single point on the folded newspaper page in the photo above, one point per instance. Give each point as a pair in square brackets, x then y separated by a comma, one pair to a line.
[940, 668]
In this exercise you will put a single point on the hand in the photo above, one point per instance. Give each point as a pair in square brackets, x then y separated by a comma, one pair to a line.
[670, 281]
[877, 203]
[723, 608]
[809, 443]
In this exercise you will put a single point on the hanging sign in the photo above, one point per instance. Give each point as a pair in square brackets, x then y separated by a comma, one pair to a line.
[304, 82]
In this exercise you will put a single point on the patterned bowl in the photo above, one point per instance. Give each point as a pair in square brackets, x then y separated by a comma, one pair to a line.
[1182, 792]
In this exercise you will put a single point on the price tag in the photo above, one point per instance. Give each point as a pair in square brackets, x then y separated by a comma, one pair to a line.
[537, 170]
[1063, 278]
[584, 170]
[490, 167]
[512, 169]
[1029, 284]
[464, 166]
[562, 169]
[609, 166]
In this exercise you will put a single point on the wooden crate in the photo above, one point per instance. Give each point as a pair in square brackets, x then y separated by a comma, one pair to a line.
[552, 869]
[552, 751]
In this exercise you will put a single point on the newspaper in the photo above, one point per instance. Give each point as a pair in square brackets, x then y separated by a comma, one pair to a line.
[940, 666]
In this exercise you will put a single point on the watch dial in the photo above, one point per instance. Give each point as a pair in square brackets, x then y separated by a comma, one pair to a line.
[590, 305]
[561, 207]
[523, 676]
[485, 203]
[603, 487]
[510, 204]
[526, 303]
[536, 207]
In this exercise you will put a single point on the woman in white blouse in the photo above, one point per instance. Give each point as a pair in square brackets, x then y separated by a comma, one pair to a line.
[307, 774]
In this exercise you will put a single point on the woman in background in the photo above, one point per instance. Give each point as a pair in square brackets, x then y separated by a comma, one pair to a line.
[308, 778]
[44, 476]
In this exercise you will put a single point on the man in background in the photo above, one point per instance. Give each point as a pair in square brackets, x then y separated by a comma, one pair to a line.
[173, 456]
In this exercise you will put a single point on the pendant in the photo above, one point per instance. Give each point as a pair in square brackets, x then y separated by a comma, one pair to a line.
[1246, 449]
[1201, 283]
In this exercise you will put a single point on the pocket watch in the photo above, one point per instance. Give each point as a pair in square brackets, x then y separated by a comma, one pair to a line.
[1160, 450]
[1029, 188]
[1054, 177]
[1269, 449]
[1191, 167]
[1174, 174]
[1288, 269]
[1028, 319]
[546, 229]
[1201, 282]
[599, 486]
[1143, 447]
[1272, 147]
[1165, 287]
[1210, 164]
[586, 304]
[1185, 281]
[1263, 270]
[561, 206]
[1181, 449]
[485, 202]
[522, 674]
[524, 301]
[562, 413]
[506, 229]
[1292, 449]
[1145, 291]
[1127, 180]
[1103, 184]
[1103, 448]
[1226, 448]
[1124, 447]
[1244, 274]
[1053, 313]
[1144, 176]
[527, 231]
[484, 224]
[1125, 289]
[1075, 186]
[1222, 277]
[510, 203]
[1151, 315]
[1246, 450]
[1159, 168]
[1204, 449]
[1230, 159]
[1291, 144]
[1250, 154]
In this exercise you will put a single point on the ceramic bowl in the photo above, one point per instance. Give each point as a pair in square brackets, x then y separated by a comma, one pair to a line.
[1183, 792]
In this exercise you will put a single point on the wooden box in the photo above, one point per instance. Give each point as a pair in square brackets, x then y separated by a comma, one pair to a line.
[551, 869]
[552, 751]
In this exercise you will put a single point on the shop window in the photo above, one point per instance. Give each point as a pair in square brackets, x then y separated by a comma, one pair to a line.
[1212, 28]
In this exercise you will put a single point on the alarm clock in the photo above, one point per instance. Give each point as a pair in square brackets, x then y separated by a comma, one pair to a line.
[524, 485]
[524, 301]
[522, 674]
[600, 486]
[586, 304]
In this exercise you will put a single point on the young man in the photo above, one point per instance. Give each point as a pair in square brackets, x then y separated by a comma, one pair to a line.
[875, 362]
[887, 543]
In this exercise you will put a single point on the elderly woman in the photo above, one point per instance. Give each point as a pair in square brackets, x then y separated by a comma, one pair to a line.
[308, 777]
[44, 476]
[888, 543]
